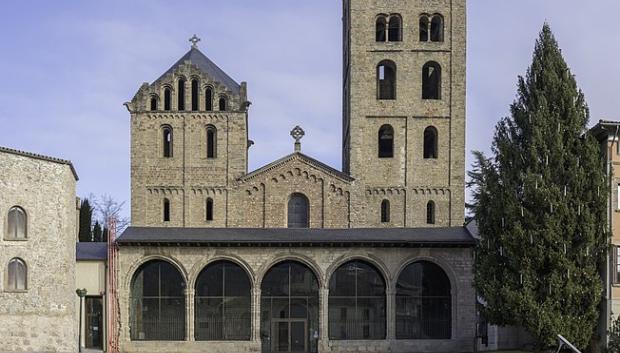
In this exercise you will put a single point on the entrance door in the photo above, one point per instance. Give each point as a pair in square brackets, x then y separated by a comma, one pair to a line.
[94, 322]
[290, 336]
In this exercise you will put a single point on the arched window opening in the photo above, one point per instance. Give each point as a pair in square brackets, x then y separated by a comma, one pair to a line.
[166, 210]
[223, 301]
[431, 81]
[430, 143]
[167, 99]
[209, 99]
[386, 80]
[289, 310]
[386, 141]
[157, 303]
[430, 212]
[298, 211]
[437, 28]
[17, 224]
[181, 95]
[195, 86]
[211, 141]
[424, 28]
[381, 29]
[17, 276]
[223, 104]
[209, 211]
[423, 302]
[395, 32]
[153, 103]
[385, 211]
[357, 303]
[167, 141]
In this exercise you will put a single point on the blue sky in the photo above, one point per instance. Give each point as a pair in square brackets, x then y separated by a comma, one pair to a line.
[68, 67]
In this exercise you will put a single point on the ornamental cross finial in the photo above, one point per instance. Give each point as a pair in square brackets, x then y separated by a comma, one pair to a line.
[194, 40]
[297, 133]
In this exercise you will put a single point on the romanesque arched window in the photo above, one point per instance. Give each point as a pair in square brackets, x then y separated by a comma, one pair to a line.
[17, 224]
[153, 103]
[167, 141]
[386, 80]
[298, 211]
[211, 141]
[430, 212]
[167, 99]
[431, 80]
[423, 302]
[381, 28]
[209, 209]
[385, 211]
[209, 99]
[424, 23]
[385, 141]
[223, 302]
[166, 210]
[395, 29]
[17, 275]
[436, 28]
[181, 95]
[357, 305]
[157, 303]
[223, 104]
[195, 88]
[430, 143]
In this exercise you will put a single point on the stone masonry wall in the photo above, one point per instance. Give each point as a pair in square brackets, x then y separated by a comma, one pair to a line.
[42, 318]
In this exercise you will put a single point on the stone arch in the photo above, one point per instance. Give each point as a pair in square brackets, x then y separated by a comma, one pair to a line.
[303, 259]
[366, 257]
[201, 265]
[167, 258]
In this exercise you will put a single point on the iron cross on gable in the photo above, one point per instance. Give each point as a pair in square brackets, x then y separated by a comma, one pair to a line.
[194, 40]
[297, 133]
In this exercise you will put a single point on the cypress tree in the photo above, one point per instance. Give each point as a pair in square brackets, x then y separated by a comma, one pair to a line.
[97, 232]
[86, 216]
[540, 204]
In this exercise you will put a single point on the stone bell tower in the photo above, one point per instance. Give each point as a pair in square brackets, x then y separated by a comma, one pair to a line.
[404, 110]
[189, 143]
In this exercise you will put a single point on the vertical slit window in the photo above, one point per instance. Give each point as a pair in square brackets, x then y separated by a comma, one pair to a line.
[395, 31]
[430, 143]
[430, 212]
[223, 104]
[386, 80]
[209, 99]
[424, 24]
[167, 99]
[166, 210]
[209, 211]
[385, 211]
[211, 142]
[386, 141]
[153, 103]
[437, 28]
[167, 141]
[381, 29]
[195, 86]
[431, 81]
[181, 95]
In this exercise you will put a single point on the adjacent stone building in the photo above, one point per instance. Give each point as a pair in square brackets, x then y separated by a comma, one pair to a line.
[37, 253]
[298, 256]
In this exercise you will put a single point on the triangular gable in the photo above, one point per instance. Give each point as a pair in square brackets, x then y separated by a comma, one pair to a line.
[298, 156]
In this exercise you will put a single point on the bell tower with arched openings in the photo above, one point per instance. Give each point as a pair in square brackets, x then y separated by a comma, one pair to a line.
[404, 111]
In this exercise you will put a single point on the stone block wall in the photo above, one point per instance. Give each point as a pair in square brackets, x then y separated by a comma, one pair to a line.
[43, 317]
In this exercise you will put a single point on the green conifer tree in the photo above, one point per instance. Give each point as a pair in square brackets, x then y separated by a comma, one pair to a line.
[97, 232]
[540, 204]
[85, 227]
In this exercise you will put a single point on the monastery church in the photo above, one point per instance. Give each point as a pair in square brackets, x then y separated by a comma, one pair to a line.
[296, 256]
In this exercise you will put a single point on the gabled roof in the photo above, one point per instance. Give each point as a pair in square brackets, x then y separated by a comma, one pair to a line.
[196, 57]
[270, 237]
[605, 128]
[304, 158]
[41, 157]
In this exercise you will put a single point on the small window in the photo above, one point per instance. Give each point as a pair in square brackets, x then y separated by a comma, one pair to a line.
[195, 86]
[298, 211]
[167, 99]
[430, 143]
[16, 275]
[381, 28]
[209, 211]
[181, 95]
[431, 81]
[209, 99]
[223, 104]
[167, 141]
[424, 23]
[17, 222]
[166, 210]
[430, 212]
[616, 278]
[153, 103]
[386, 141]
[386, 80]
[385, 211]
[618, 198]
[395, 31]
[437, 28]
[211, 141]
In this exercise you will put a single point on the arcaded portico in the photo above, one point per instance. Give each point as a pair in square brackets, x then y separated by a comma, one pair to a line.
[295, 290]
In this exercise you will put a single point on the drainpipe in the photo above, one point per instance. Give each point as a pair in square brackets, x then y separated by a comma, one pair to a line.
[608, 288]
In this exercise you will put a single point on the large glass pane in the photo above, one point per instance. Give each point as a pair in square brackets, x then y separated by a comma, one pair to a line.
[298, 336]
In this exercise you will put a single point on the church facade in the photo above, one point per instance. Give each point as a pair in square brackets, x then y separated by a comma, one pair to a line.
[298, 256]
